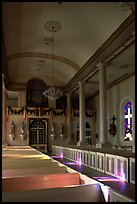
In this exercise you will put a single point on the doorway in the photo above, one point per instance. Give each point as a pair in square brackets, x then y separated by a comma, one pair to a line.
[38, 138]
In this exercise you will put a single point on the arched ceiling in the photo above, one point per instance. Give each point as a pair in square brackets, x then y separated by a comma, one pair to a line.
[85, 26]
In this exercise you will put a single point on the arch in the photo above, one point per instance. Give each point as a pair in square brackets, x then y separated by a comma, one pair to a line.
[37, 124]
[44, 55]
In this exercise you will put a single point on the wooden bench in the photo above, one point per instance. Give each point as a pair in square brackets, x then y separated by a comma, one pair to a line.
[11, 164]
[20, 152]
[40, 182]
[82, 193]
[21, 172]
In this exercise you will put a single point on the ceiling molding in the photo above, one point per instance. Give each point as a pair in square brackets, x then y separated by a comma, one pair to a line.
[44, 55]
[117, 39]
[118, 81]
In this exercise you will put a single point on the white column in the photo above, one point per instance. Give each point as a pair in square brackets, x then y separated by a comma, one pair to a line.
[69, 140]
[81, 115]
[103, 123]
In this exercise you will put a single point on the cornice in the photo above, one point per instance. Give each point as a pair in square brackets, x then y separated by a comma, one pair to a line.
[113, 43]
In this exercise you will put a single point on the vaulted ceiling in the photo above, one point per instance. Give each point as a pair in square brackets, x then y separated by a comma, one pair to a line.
[90, 32]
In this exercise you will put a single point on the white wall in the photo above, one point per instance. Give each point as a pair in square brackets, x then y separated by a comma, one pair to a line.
[12, 102]
[17, 119]
[115, 96]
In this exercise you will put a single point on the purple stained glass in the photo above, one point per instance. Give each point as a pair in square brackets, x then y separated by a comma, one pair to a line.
[128, 121]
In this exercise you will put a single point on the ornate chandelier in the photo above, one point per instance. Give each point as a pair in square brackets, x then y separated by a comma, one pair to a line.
[52, 92]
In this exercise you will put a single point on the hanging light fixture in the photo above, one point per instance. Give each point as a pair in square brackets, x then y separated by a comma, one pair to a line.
[52, 92]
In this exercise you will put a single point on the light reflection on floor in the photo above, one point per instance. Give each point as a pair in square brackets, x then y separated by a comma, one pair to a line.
[56, 156]
[107, 178]
[70, 163]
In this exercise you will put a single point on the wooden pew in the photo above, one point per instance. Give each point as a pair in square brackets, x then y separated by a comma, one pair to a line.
[21, 172]
[82, 193]
[20, 151]
[21, 163]
[40, 182]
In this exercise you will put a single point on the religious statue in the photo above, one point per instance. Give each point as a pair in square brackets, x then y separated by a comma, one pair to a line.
[52, 131]
[22, 131]
[62, 131]
[112, 129]
[12, 131]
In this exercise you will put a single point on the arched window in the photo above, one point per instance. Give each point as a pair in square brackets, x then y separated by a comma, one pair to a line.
[35, 89]
[126, 119]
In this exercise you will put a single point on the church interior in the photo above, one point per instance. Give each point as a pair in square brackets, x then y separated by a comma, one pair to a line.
[68, 101]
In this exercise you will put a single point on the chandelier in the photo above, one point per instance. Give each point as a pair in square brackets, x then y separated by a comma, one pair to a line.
[52, 92]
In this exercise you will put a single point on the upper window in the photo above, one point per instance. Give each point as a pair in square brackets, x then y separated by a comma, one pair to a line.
[35, 97]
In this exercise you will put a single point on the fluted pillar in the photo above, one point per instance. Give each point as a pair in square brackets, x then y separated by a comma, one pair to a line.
[81, 115]
[103, 122]
[69, 125]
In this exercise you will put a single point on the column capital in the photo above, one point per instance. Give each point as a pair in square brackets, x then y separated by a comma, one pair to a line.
[4, 89]
[101, 64]
[80, 82]
[68, 94]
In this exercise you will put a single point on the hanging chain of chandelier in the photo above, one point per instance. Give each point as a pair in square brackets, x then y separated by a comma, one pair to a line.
[52, 92]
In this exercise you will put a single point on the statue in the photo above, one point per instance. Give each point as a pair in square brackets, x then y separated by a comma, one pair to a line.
[22, 131]
[112, 129]
[62, 131]
[52, 131]
[12, 131]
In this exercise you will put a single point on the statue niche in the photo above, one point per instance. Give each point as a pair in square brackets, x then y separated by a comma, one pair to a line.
[113, 129]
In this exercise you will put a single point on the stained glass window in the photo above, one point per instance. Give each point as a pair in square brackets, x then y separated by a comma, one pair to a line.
[128, 121]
